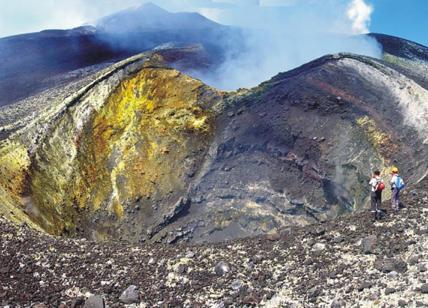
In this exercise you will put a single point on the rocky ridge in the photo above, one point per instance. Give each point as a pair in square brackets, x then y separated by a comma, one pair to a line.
[348, 262]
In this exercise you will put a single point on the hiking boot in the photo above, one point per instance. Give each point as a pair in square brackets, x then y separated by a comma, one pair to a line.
[378, 215]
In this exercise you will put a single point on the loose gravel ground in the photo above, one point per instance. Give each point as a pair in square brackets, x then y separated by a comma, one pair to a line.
[351, 261]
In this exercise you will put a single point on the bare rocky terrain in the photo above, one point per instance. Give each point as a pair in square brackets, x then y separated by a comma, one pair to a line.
[347, 262]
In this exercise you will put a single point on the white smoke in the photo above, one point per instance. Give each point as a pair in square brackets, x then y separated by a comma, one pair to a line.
[359, 13]
[284, 34]
[280, 35]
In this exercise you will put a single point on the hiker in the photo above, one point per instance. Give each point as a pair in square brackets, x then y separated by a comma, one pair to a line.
[397, 184]
[377, 186]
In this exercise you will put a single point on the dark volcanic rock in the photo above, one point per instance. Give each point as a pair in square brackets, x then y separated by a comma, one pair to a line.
[390, 291]
[130, 295]
[421, 267]
[365, 285]
[389, 265]
[368, 244]
[94, 301]
[222, 268]
[424, 288]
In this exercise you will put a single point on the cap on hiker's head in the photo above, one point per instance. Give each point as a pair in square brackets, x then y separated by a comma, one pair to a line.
[394, 170]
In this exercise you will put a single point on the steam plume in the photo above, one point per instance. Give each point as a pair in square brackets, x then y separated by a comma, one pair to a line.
[359, 13]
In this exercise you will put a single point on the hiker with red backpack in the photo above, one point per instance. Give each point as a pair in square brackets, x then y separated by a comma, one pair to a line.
[377, 186]
[397, 184]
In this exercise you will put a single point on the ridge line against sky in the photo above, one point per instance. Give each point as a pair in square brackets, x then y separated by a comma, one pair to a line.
[384, 16]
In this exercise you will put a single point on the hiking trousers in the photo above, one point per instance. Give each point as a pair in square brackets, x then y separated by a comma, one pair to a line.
[376, 201]
[395, 199]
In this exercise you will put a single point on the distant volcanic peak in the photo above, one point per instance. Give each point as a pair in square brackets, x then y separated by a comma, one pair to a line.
[150, 7]
[150, 16]
[143, 10]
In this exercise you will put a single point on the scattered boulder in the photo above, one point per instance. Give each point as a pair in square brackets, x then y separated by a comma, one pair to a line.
[389, 265]
[314, 292]
[337, 303]
[392, 275]
[130, 296]
[190, 254]
[421, 267]
[318, 231]
[390, 291]
[318, 247]
[365, 285]
[414, 259]
[237, 285]
[368, 244]
[400, 266]
[274, 236]
[402, 303]
[222, 268]
[94, 301]
[424, 288]
[77, 302]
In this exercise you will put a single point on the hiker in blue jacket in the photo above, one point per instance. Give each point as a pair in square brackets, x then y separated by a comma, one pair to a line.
[397, 184]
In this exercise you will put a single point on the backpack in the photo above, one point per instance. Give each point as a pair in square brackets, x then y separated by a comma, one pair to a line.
[399, 183]
[380, 186]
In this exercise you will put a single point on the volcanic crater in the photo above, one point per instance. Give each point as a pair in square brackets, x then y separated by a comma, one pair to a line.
[139, 151]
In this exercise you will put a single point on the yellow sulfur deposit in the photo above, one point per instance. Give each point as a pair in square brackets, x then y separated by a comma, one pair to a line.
[14, 163]
[377, 137]
[132, 148]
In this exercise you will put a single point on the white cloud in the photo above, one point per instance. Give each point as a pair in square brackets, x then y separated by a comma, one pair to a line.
[238, 2]
[211, 13]
[359, 13]
[277, 2]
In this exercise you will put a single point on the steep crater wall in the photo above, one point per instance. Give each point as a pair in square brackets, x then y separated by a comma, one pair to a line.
[135, 154]
[146, 153]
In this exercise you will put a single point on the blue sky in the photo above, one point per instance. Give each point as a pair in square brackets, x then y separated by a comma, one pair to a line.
[404, 18]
